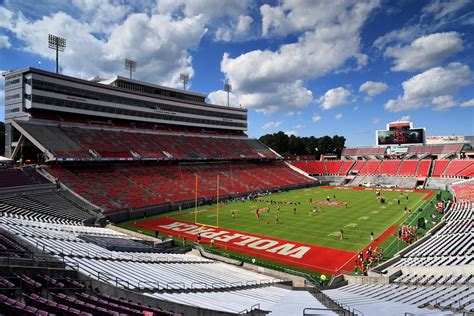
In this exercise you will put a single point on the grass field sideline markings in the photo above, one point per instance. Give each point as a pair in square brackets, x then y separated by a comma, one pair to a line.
[423, 202]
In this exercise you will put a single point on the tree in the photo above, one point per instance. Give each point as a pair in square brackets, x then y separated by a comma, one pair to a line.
[295, 145]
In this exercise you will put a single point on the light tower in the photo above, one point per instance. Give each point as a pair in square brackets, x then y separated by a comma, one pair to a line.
[130, 65]
[57, 43]
[184, 78]
[228, 88]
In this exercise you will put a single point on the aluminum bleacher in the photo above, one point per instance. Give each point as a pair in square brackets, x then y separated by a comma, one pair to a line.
[183, 279]
[20, 177]
[50, 206]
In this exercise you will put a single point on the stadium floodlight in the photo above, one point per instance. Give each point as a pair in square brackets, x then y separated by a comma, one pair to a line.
[184, 78]
[228, 88]
[130, 65]
[57, 43]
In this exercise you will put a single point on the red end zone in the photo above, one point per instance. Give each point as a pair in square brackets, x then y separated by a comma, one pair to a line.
[306, 256]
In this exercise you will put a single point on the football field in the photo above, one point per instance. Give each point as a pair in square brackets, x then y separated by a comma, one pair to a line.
[321, 213]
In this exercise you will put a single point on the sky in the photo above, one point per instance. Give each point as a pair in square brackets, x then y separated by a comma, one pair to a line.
[305, 67]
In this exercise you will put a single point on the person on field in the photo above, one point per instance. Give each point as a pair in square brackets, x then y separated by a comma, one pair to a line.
[342, 234]
[233, 214]
[372, 236]
[294, 211]
[277, 219]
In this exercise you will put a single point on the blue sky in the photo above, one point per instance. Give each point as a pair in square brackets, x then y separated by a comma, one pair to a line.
[304, 67]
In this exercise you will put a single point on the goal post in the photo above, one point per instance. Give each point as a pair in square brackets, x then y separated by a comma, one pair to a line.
[198, 212]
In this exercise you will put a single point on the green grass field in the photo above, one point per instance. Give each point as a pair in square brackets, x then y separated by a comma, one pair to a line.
[363, 215]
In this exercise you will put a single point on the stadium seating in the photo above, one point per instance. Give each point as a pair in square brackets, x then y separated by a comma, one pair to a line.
[19, 177]
[346, 166]
[329, 167]
[459, 167]
[435, 149]
[333, 167]
[82, 142]
[389, 167]
[363, 151]
[380, 299]
[423, 168]
[138, 185]
[303, 165]
[184, 279]
[49, 206]
[318, 167]
[450, 246]
[408, 168]
[439, 167]
[453, 168]
[358, 166]
[464, 191]
[370, 168]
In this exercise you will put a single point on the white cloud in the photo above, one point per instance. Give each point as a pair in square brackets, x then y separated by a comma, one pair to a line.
[244, 24]
[372, 88]
[467, 103]
[290, 113]
[376, 120]
[423, 89]
[291, 95]
[219, 97]
[405, 118]
[425, 52]
[330, 38]
[334, 98]
[102, 13]
[158, 60]
[316, 118]
[236, 28]
[443, 102]
[4, 42]
[299, 126]
[5, 18]
[403, 35]
[227, 19]
[338, 116]
[440, 9]
[291, 133]
[270, 125]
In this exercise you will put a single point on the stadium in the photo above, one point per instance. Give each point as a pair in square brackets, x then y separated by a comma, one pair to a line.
[126, 197]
